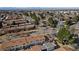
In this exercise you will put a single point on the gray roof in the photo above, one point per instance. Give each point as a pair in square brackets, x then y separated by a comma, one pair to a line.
[49, 46]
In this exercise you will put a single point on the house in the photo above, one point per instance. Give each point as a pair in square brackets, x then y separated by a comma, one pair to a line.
[75, 28]
[48, 46]
[22, 42]
[16, 28]
[60, 24]
[35, 48]
[13, 43]
[1, 47]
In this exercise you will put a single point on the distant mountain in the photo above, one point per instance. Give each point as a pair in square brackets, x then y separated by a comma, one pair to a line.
[39, 8]
[7, 8]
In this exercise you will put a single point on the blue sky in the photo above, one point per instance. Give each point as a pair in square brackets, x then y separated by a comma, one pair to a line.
[39, 3]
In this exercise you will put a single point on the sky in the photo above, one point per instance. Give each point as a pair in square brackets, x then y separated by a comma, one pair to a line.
[39, 3]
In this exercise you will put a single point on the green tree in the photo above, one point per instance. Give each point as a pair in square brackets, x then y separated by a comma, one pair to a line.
[36, 19]
[69, 23]
[26, 14]
[52, 23]
[76, 19]
[71, 39]
[65, 34]
[42, 16]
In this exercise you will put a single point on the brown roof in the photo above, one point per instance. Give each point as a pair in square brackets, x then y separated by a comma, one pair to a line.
[12, 29]
[14, 42]
[21, 41]
[35, 48]
[35, 37]
[0, 47]
[60, 49]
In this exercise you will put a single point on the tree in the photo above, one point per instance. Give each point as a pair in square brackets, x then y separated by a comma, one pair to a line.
[1, 24]
[76, 19]
[71, 39]
[36, 19]
[13, 23]
[33, 15]
[69, 23]
[52, 23]
[63, 34]
[26, 14]
[42, 16]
